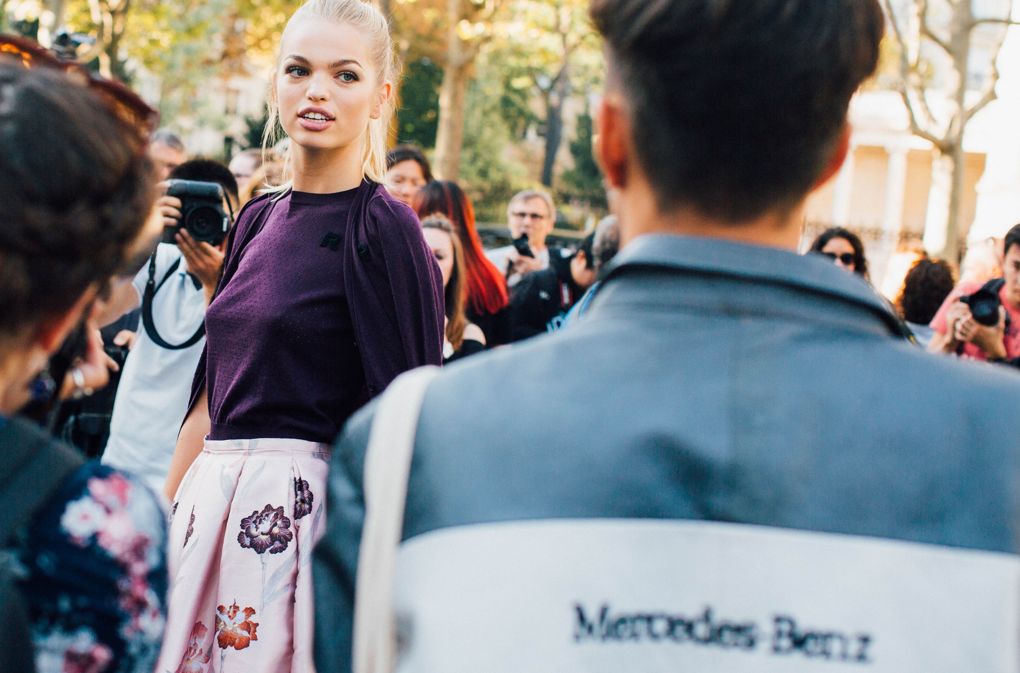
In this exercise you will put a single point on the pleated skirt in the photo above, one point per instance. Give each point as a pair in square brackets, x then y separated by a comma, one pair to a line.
[243, 525]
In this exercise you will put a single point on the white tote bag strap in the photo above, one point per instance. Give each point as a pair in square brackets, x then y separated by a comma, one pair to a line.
[387, 465]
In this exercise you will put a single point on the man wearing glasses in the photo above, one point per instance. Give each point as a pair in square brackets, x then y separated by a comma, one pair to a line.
[531, 214]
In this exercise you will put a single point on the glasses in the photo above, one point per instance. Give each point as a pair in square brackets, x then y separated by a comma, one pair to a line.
[528, 216]
[120, 100]
[847, 258]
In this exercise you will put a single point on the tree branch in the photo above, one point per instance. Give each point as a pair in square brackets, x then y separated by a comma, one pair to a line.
[907, 73]
[927, 32]
[999, 22]
[988, 93]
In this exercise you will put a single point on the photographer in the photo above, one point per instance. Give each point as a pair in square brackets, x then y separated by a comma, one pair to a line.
[966, 323]
[153, 394]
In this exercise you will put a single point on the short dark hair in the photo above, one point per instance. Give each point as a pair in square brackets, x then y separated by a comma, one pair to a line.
[925, 287]
[207, 170]
[1012, 238]
[402, 153]
[737, 106]
[860, 261]
[77, 187]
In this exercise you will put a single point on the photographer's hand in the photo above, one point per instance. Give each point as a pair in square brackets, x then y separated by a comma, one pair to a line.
[94, 367]
[991, 339]
[170, 209]
[204, 261]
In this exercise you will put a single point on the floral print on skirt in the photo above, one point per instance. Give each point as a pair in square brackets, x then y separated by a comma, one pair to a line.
[246, 518]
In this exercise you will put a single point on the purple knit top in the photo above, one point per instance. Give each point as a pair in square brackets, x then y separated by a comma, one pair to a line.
[282, 358]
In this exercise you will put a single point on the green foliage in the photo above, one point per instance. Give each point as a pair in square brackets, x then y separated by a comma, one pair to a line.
[583, 182]
[489, 173]
[418, 117]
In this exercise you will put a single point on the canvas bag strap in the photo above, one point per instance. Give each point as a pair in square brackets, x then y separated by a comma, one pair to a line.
[387, 466]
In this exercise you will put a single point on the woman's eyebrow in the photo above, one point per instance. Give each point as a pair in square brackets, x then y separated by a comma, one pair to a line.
[336, 64]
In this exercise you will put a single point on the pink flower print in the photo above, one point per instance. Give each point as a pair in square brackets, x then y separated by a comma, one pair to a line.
[119, 537]
[82, 519]
[266, 530]
[195, 657]
[234, 627]
[112, 491]
[78, 652]
[303, 499]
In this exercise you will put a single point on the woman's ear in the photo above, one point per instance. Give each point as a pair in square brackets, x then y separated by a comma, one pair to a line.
[383, 96]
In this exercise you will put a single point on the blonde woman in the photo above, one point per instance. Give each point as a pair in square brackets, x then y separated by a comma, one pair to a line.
[328, 293]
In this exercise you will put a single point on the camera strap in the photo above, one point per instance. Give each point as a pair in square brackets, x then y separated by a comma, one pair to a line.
[151, 288]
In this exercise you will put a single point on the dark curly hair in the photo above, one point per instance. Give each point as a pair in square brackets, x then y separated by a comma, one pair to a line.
[925, 287]
[76, 189]
[860, 261]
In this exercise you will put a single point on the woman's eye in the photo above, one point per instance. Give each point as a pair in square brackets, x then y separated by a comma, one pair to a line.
[347, 76]
[296, 70]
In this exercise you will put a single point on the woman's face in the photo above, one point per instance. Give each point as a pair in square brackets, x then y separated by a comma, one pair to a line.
[442, 248]
[841, 252]
[404, 180]
[326, 85]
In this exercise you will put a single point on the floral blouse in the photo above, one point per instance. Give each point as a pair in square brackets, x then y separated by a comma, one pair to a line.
[94, 575]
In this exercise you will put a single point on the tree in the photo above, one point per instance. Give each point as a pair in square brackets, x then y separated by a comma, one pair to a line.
[584, 181]
[936, 40]
[469, 25]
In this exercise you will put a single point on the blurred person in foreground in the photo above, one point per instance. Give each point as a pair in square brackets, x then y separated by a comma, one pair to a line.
[85, 543]
[724, 438]
[981, 321]
[925, 287]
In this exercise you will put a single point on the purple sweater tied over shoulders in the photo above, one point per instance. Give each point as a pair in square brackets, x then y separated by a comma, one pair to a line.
[388, 278]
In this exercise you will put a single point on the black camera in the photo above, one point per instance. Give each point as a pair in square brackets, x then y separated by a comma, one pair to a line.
[523, 247]
[202, 213]
[984, 304]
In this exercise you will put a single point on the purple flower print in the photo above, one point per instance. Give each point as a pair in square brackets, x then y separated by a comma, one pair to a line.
[266, 530]
[303, 499]
[191, 528]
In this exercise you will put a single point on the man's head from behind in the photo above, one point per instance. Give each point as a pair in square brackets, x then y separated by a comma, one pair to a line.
[731, 110]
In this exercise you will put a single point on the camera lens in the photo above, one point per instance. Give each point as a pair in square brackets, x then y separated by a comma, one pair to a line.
[205, 224]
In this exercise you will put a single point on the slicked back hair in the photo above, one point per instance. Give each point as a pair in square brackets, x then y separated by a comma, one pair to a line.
[736, 107]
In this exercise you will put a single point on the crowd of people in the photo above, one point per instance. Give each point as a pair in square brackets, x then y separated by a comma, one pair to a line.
[713, 432]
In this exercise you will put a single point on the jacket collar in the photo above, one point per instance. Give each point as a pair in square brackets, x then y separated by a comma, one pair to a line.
[751, 264]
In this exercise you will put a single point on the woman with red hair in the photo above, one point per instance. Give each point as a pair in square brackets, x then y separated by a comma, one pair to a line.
[486, 287]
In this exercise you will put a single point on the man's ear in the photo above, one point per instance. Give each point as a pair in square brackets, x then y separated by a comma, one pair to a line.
[611, 141]
[840, 151]
[51, 332]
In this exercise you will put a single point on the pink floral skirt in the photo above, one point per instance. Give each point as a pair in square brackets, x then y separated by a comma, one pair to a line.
[246, 518]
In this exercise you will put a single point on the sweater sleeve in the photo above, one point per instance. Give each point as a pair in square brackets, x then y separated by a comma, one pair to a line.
[413, 289]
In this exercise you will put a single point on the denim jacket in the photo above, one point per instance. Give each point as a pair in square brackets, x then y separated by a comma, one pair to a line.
[709, 382]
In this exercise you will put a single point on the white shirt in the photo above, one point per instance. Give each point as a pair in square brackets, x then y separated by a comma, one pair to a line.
[500, 257]
[155, 385]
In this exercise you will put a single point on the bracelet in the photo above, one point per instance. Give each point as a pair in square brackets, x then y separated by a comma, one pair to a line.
[80, 389]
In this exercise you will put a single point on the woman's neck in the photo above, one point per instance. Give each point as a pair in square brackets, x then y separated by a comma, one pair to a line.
[327, 171]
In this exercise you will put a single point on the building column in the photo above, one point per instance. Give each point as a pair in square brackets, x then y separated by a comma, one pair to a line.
[842, 199]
